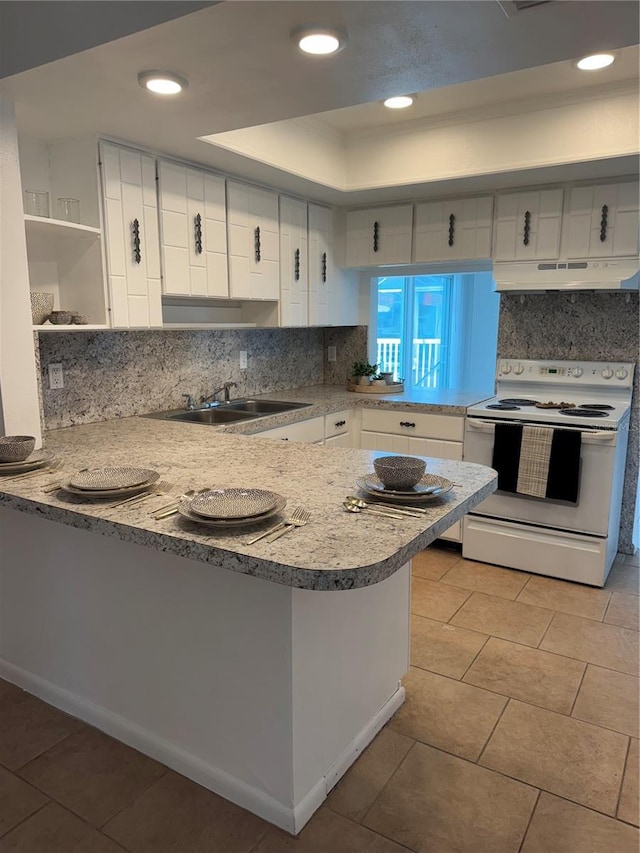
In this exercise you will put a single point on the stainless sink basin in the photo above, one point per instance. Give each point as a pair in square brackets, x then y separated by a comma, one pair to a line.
[228, 413]
[262, 407]
[210, 416]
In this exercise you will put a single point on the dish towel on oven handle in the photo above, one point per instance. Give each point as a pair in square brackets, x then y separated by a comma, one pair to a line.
[512, 443]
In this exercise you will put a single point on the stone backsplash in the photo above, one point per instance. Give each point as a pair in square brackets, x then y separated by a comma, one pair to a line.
[593, 326]
[119, 374]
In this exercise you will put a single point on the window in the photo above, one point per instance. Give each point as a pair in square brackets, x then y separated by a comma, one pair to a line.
[438, 331]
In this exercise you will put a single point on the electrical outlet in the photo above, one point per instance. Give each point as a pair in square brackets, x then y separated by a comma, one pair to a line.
[243, 359]
[56, 377]
[331, 354]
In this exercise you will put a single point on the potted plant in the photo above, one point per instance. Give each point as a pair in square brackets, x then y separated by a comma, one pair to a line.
[362, 372]
[378, 380]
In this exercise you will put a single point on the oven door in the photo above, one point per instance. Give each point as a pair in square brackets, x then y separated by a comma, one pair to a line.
[597, 466]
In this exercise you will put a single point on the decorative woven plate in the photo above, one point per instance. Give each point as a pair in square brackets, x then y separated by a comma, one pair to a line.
[233, 503]
[38, 459]
[184, 508]
[112, 478]
[430, 486]
[98, 494]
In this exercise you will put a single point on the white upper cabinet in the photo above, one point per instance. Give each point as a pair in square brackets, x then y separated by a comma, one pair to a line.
[379, 235]
[131, 231]
[602, 221]
[333, 295]
[193, 232]
[459, 229]
[294, 279]
[527, 225]
[253, 242]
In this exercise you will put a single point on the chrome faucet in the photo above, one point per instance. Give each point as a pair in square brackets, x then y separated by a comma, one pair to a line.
[191, 403]
[211, 398]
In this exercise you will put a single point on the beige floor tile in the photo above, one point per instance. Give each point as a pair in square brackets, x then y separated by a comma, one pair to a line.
[437, 803]
[435, 600]
[624, 577]
[633, 559]
[576, 760]
[629, 805]
[443, 648]
[357, 790]
[540, 678]
[175, 815]
[562, 827]
[609, 699]
[92, 774]
[453, 716]
[509, 620]
[327, 832]
[481, 577]
[623, 610]
[433, 562]
[55, 830]
[17, 800]
[29, 726]
[566, 597]
[594, 642]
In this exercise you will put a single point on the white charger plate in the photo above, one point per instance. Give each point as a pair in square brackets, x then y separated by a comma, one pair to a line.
[97, 494]
[38, 459]
[372, 485]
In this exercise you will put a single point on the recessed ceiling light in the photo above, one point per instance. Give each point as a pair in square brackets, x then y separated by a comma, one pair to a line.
[320, 41]
[595, 62]
[399, 102]
[162, 82]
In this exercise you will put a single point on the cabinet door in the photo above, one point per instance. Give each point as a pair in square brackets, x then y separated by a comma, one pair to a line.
[384, 441]
[253, 241]
[294, 288]
[132, 241]
[333, 299]
[432, 447]
[380, 235]
[459, 229]
[528, 225]
[602, 221]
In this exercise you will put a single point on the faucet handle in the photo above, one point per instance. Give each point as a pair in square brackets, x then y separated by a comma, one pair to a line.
[191, 403]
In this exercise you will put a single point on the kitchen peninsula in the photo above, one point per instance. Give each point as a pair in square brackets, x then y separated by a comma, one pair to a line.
[261, 671]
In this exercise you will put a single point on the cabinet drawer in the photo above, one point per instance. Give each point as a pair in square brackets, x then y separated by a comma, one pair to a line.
[447, 427]
[309, 432]
[337, 423]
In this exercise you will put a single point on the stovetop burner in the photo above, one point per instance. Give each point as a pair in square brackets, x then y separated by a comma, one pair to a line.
[585, 413]
[503, 407]
[517, 401]
[597, 406]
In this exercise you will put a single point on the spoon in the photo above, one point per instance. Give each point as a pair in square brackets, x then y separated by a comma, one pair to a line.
[353, 508]
[413, 513]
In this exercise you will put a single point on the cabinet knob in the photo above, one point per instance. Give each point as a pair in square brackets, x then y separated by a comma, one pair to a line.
[407, 424]
[135, 232]
[198, 233]
[376, 236]
[256, 240]
[527, 228]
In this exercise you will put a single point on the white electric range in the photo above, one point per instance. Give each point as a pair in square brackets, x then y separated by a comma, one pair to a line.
[572, 540]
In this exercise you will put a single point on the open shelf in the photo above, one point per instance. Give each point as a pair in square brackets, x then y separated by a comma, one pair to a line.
[74, 327]
[44, 226]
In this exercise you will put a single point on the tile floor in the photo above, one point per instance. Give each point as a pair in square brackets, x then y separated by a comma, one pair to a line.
[519, 733]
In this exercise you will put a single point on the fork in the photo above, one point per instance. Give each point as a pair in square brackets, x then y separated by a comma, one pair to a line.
[300, 521]
[297, 515]
[29, 474]
[172, 508]
[160, 488]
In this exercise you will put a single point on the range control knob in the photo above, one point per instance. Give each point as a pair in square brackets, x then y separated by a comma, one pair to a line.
[607, 373]
[621, 373]
[505, 367]
[518, 369]
[576, 372]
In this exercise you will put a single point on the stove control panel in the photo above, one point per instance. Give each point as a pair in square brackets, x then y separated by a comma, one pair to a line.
[583, 373]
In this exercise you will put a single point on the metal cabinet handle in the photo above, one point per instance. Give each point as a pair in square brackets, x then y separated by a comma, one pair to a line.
[324, 267]
[296, 265]
[376, 236]
[135, 231]
[527, 228]
[257, 243]
[407, 424]
[452, 225]
[603, 223]
[198, 233]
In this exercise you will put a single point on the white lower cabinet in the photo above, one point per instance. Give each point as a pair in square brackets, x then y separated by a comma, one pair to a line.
[310, 431]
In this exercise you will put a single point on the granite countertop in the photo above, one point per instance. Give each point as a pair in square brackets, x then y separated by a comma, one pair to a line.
[336, 550]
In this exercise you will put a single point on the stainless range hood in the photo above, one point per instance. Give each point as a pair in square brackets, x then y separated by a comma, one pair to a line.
[533, 276]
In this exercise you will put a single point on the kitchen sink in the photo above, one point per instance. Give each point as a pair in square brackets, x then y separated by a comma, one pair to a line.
[210, 416]
[263, 407]
[228, 413]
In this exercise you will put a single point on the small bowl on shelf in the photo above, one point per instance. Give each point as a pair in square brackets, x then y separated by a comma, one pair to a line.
[16, 448]
[60, 318]
[399, 472]
[79, 319]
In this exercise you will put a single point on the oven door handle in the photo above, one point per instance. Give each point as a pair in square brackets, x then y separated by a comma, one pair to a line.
[587, 435]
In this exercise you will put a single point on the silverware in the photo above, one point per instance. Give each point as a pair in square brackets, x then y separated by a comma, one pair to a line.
[408, 511]
[37, 473]
[188, 494]
[173, 509]
[368, 511]
[297, 514]
[160, 488]
[52, 487]
[303, 517]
